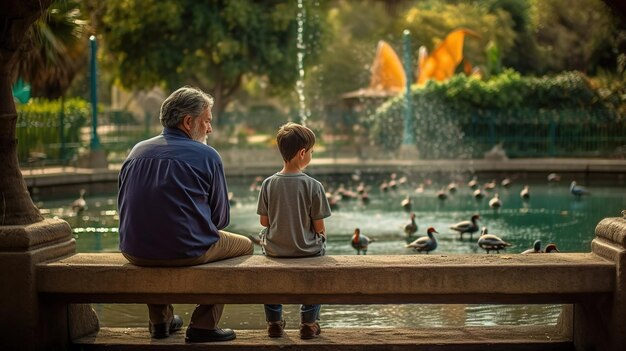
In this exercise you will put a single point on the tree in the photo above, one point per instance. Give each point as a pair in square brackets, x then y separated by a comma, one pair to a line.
[57, 50]
[16, 18]
[571, 36]
[212, 44]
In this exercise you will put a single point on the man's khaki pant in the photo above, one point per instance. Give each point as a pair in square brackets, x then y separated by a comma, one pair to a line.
[204, 316]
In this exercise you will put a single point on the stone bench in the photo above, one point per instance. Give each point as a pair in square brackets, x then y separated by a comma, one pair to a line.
[558, 278]
[593, 285]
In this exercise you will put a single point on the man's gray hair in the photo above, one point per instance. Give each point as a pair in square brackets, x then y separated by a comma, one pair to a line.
[186, 101]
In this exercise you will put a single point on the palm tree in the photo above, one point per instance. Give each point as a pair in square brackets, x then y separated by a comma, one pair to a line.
[16, 18]
[58, 50]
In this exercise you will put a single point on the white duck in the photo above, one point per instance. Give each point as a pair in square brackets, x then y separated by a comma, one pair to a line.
[490, 242]
[495, 202]
[525, 193]
[79, 204]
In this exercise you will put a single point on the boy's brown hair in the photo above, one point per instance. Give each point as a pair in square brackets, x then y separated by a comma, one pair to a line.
[291, 138]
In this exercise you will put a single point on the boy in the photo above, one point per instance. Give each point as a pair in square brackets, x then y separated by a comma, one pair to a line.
[292, 207]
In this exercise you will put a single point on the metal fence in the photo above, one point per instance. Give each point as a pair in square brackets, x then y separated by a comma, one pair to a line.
[57, 139]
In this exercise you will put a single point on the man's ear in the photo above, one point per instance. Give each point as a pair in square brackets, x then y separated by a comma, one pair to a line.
[187, 122]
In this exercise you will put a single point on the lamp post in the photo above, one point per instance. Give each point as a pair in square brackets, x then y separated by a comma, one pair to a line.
[408, 136]
[95, 141]
[97, 156]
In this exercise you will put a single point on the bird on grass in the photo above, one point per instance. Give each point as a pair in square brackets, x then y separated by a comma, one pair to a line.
[469, 227]
[535, 249]
[425, 243]
[578, 190]
[79, 204]
[411, 227]
[360, 242]
[490, 242]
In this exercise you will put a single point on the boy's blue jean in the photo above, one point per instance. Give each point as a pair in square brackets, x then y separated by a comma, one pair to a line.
[308, 313]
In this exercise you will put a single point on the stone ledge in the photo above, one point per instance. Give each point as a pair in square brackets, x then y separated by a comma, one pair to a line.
[333, 279]
[507, 338]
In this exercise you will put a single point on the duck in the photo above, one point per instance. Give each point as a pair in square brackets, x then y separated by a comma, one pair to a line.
[360, 242]
[411, 227]
[525, 193]
[402, 180]
[490, 242]
[550, 248]
[425, 243]
[232, 200]
[79, 204]
[535, 249]
[578, 190]
[365, 198]
[333, 200]
[490, 185]
[452, 186]
[506, 182]
[360, 188]
[406, 203]
[478, 194]
[441, 194]
[553, 177]
[393, 183]
[473, 183]
[495, 202]
[420, 188]
[466, 226]
[384, 186]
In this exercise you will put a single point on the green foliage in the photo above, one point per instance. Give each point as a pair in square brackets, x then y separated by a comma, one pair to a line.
[445, 114]
[211, 43]
[39, 126]
[570, 37]
[55, 50]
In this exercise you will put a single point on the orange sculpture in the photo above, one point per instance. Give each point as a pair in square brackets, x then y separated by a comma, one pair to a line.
[440, 65]
[387, 71]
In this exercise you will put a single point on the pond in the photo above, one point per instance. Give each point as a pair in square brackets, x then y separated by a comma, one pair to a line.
[551, 214]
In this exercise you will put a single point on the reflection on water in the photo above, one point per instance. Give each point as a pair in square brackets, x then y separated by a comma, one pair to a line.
[552, 214]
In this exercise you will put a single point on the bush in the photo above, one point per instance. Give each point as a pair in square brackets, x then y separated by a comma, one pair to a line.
[465, 116]
[39, 126]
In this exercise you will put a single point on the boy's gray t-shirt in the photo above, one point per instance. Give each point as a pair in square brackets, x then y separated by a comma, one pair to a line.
[292, 201]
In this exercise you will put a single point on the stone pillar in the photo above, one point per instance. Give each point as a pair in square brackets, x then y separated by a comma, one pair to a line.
[600, 322]
[28, 322]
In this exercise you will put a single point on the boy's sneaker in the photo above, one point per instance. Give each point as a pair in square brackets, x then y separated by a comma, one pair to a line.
[276, 329]
[309, 330]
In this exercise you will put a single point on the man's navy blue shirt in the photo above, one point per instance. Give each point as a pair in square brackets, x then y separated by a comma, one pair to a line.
[172, 198]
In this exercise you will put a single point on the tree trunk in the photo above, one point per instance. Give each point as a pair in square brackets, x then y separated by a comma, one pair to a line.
[16, 17]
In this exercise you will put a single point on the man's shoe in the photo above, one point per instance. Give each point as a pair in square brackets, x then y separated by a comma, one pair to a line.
[206, 335]
[309, 330]
[276, 329]
[163, 330]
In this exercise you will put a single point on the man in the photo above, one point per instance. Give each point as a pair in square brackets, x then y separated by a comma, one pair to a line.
[173, 205]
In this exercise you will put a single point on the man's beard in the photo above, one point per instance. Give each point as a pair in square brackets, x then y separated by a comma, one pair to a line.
[198, 135]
